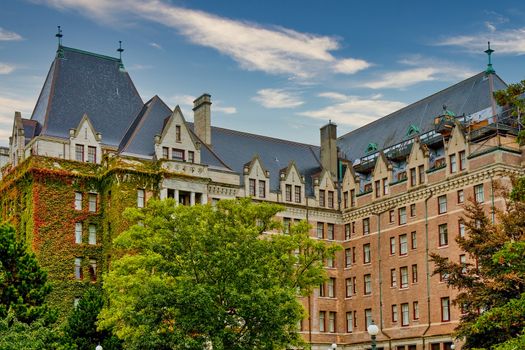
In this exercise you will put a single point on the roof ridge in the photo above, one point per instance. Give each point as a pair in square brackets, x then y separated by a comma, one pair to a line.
[72, 49]
[203, 144]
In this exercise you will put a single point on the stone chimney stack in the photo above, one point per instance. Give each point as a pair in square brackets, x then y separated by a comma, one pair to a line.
[329, 148]
[202, 118]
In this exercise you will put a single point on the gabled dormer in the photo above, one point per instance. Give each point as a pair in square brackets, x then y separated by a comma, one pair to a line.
[325, 190]
[84, 142]
[256, 179]
[417, 163]
[456, 150]
[292, 184]
[17, 141]
[176, 142]
[350, 187]
[382, 176]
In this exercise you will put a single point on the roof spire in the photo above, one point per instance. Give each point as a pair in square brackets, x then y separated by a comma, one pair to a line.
[120, 50]
[490, 69]
[59, 35]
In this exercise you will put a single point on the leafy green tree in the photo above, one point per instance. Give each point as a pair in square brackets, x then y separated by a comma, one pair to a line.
[512, 98]
[201, 276]
[23, 284]
[81, 326]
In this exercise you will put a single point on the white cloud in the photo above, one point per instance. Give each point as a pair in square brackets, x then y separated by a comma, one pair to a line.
[156, 46]
[6, 68]
[505, 42]
[277, 98]
[274, 50]
[6, 35]
[8, 106]
[354, 111]
[403, 78]
[186, 103]
[225, 110]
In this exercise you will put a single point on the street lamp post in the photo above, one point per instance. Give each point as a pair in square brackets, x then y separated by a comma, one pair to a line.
[98, 347]
[373, 330]
[333, 346]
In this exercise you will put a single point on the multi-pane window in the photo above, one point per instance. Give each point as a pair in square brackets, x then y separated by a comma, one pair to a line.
[478, 193]
[288, 193]
[79, 153]
[322, 290]
[354, 284]
[349, 287]
[404, 276]
[349, 322]
[262, 189]
[414, 273]
[177, 154]
[461, 196]
[297, 194]
[322, 315]
[462, 160]
[405, 314]
[453, 163]
[413, 178]
[78, 269]
[347, 232]
[330, 231]
[140, 198]
[366, 253]
[331, 321]
[393, 278]
[413, 239]
[78, 200]
[321, 198]
[463, 263]
[443, 235]
[348, 257]
[392, 245]
[93, 270]
[366, 226]
[367, 284]
[92, 154]
[287, 222]
[377, 187]
[445, 309]
[421, 172]
[165, 152]
[394, 313]
[320, 230]
[391, 216]
[252, 187]
[412, 210]
[92, 202]
[385, 186]
[177, 133]
[331, 287]
[403, 244]
[442, 204]
[415, 310]
[352, 198]
[461, 228]
[402, 215]
[330, 262]
[330, 199]
[353, 254]
[78, 233]
[345, 199]
[368, 318]
[191, 156]
[92, 239]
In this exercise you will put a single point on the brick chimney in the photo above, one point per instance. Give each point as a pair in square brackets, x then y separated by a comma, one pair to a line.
[329, 148]
[202, 118]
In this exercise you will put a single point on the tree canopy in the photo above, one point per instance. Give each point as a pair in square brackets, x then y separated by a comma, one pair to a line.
[201, 276]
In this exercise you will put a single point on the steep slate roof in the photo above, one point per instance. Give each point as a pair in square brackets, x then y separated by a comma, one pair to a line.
[81, 82]
[466, 97]
[31, 129]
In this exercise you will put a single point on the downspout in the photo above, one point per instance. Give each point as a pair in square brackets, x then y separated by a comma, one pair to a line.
[427, 268]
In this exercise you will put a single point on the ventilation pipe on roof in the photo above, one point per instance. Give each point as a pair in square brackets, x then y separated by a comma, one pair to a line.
[202, 118]
[329, 148]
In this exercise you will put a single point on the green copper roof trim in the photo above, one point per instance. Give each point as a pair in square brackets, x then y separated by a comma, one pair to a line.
[490, 69]
[65, 48]
[372, 147]
[412, 130]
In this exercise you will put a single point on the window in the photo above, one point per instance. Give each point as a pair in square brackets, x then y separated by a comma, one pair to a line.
[75, 302]
[322, 290]
[403, 244]
[394, 313]
[321, 198]
[78, 233]
[366, 226]
[413, 178]
[320, 230]
[404, 276]
[353, 227]
[421, 171]
[331, 322]
[462, 160]
[443, 235]
[414, 273]
[354, 284]
[79, 153]
[93, 270]
[392, 245]
[78, 269]
[377, 187]
[177, 154]
[140, 198]
[165, 152]
[385, 186]
[368, 284]
[297, 194]
[412, 210]
[330, 262]
[288, 193]
[348, 257]
[463, 263]
[330, 199]
[353, 254]
[442, 204]
[331, 233]
[461, 196]
[366, 253]
[78, 200]
[349, 287]
[191, 156]
[453, 164]
[415, 310]
[461, 228]
[347, 232]
[322, 315]
[405, 315]
[413, 240]
[252, 187]
[262, 189]
[92, 154]
[331, 287]
[478, 193]
[92, 234]
[92, 202]
[349, 322]
[445, 309]
[352, 198]
[177, 133]
[368, 318]
[287, 222]
[391, 216]
[393, 278]
[402, 215]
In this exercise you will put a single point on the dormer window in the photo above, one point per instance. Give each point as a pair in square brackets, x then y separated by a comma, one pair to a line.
[92, 154]
[177, 154]
[297, 194]
[288, 189]
[165, 152]
[177, 133]
[191, 156]
[262, 189]
[252, 187]
[321, 198]
[79, 153]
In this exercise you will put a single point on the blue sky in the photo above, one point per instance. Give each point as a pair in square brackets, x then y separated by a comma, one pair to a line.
[278, 68]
